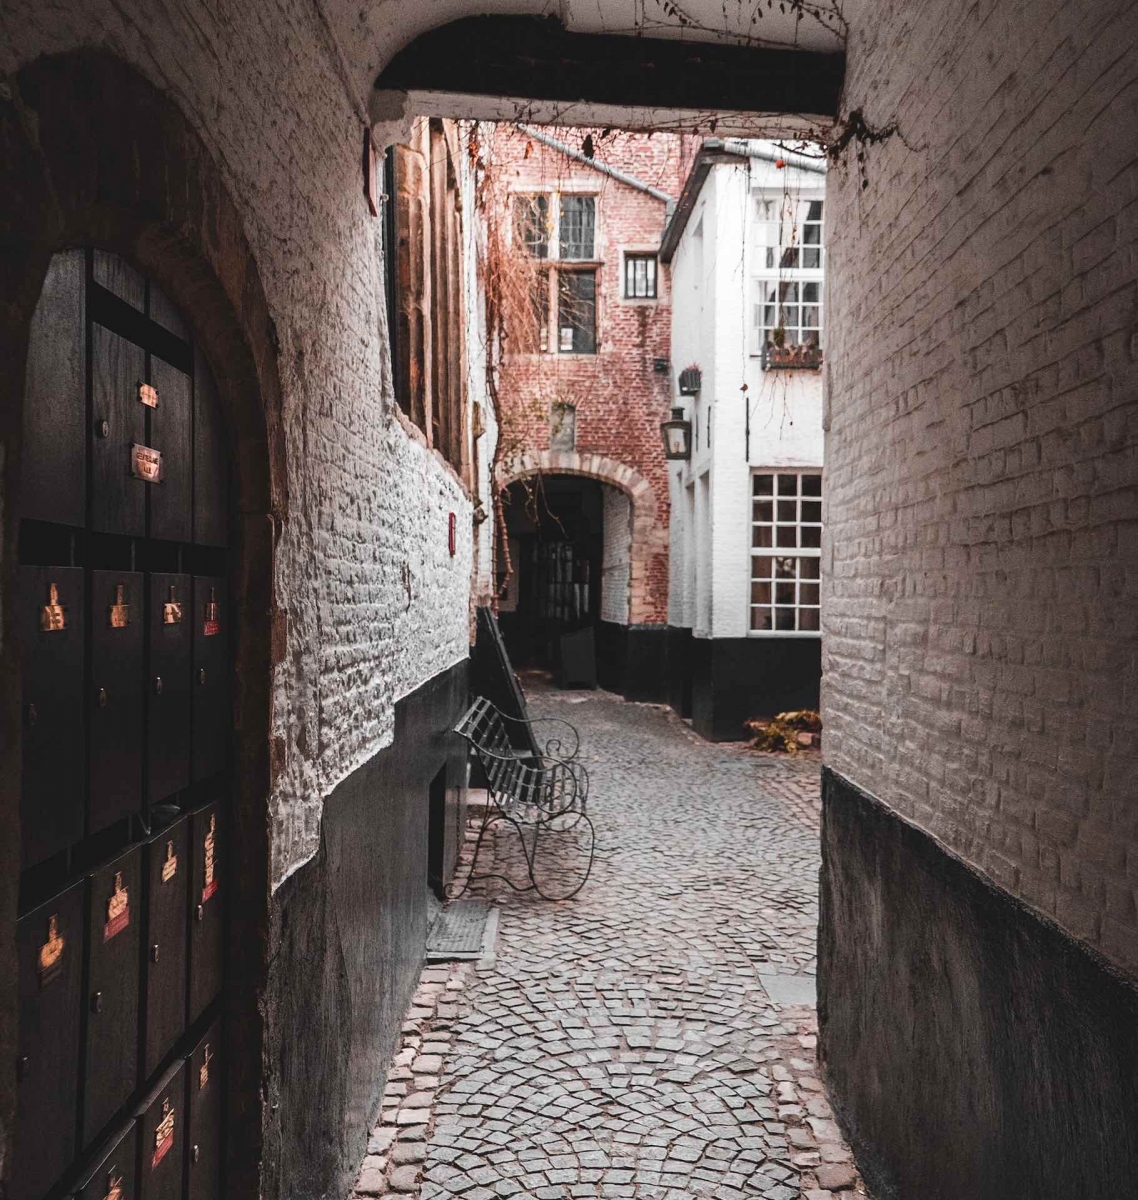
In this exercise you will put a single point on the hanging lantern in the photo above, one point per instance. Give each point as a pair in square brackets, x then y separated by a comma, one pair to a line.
[677, 436]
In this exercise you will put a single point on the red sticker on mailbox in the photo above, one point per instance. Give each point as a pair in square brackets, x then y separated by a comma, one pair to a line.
[164, 1134]
[118, 910]
[209, 880]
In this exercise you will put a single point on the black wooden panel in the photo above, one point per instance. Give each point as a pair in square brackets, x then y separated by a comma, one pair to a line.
[162, 1129]
[212, 720]
[114, 927]
[171, 616]
[203, 1117]
[54, 458]
[116, 708]
[164, 951]
[118, 500]
[211, 460]
[171, 499]
[114, 1164]
[207, 907]
[119, 278]
[163, 312]
[50, 952]
[52, 787]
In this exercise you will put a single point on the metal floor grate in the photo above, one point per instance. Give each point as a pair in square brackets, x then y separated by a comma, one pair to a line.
[458, 931]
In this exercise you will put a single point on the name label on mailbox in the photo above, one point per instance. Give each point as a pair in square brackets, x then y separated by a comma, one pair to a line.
[118, 910]
[51, 952]
[203, 1071]
[164, 1134]
[145, 463]
[170, 865]
[209, 882]
[148, 395]
[119, 612]
[172, 609]
[114, 1186]
[53, 616]
[211, 617]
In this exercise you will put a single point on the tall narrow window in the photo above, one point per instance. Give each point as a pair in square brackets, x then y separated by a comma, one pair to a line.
[640, 276]
[786, 541]
[577, 312]
[787, 303]
[531, 224]
[577, 229]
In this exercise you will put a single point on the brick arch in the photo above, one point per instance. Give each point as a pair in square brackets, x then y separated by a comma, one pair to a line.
[92, 154]
[649, 537]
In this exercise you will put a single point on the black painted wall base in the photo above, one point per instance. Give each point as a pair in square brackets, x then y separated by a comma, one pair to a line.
[971, 1047]
[632, 661]
[350, 927]
[735, 679]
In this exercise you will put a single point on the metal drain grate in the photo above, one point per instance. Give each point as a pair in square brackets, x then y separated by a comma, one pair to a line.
[458, 931]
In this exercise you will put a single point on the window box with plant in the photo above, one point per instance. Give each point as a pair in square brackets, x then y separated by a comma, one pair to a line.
[787, 285]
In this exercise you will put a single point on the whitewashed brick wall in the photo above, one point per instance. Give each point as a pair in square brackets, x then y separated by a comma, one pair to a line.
[617, 558]
[375, 604]
[981, 609]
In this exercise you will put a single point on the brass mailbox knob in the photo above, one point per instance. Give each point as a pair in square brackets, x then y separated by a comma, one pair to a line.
[23, 1067]
[33, 714]
[97, 1002]
[103, 428]
[201, 675]
[154, 952]
[102, 697]
[195, 1153]
[158, 685]
[201, 912]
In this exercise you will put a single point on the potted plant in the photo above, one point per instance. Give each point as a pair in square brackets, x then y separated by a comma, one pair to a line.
[690, 379]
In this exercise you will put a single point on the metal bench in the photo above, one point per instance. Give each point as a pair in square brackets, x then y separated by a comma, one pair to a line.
[534, 793]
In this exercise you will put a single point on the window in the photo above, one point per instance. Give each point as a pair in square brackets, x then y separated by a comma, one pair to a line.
[640, 276]
[789, 254]
[576, 231]
[558, 229]
[577, 312]
[786, 549]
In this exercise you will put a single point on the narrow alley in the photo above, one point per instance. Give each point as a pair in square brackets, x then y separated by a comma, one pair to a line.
[644, 1039]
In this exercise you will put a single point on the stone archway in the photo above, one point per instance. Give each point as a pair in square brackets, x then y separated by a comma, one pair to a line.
[92, 154]
[649, 537]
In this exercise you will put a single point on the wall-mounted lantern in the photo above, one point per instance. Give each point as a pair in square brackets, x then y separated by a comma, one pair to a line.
[677, 436]
[691, 378]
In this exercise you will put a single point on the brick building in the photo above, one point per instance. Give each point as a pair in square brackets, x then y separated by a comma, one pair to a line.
[978, 970]
[584, 376]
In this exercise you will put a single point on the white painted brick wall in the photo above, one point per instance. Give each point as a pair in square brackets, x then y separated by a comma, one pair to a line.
[981, 609]
[375, 604]
[617, 558]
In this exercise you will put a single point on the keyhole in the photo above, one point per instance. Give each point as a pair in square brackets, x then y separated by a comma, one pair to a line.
[158, 685]
[103, 428]
[102, 697]
[97, 1002]
[154, 952]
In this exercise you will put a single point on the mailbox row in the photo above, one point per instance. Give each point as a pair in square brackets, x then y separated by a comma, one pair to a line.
[125, 686]
[113, 971]
[171, 1148]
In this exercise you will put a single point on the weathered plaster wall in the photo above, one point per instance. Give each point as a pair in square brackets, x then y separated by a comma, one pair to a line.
[980, 607]
[617, 556]
[374, 603]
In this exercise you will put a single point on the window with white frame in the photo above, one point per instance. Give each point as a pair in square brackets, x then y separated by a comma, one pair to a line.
[789, 258]
[561, 228]
[639, 276]
[786, 551]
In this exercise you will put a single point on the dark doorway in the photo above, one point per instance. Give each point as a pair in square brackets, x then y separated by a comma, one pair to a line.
[437, 872]
[555, 527]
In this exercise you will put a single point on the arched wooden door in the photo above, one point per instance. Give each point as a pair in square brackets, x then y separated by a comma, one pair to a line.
[124, 549]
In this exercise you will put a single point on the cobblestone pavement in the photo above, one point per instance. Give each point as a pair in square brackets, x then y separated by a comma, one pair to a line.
[622, 1044]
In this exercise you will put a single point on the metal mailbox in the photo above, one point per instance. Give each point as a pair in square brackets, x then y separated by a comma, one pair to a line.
[207, 912]
[210, 677]
[168, 685]
[49, 944]
[52, 785]
[118, 419]
[162, 1127]
[114, 929]
[112, 1172]
[170, 500]
[164, 950]
[203, 1117]
[116, 710]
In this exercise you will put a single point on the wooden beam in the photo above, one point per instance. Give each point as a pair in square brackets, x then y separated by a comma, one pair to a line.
[536, 58]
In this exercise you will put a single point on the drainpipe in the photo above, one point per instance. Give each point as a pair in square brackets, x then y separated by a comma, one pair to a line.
[788, 158]
[612, 172]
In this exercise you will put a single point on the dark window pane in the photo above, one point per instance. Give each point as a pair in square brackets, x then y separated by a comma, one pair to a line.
[812, 536]
[786, 535]
[764, 510]
[812, 510]
[808, 618]
[784, 618]
[760, 618]
[761, 536]
[809, 568]
[760, 593]
[764, 485]
[578, 216]
[811, 259]
[811, 485]
[761, 567]
[808, 593]
[787, 511]
[784, 593]
[811, 293]
[577, 312]
[788, 485]
[531, 222]
[784, 568]
[814, 212]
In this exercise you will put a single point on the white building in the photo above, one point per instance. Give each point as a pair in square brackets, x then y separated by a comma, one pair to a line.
[745, 246]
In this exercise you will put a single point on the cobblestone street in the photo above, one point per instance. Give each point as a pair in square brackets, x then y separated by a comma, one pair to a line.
[653, 1037]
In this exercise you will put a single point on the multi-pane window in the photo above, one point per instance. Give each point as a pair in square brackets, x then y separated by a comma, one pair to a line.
[786, 548]
[577, 312]
[789, 257]
[640, 276]
[561, 229]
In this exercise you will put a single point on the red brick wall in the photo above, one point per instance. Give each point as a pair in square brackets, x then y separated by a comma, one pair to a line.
[620, 397]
